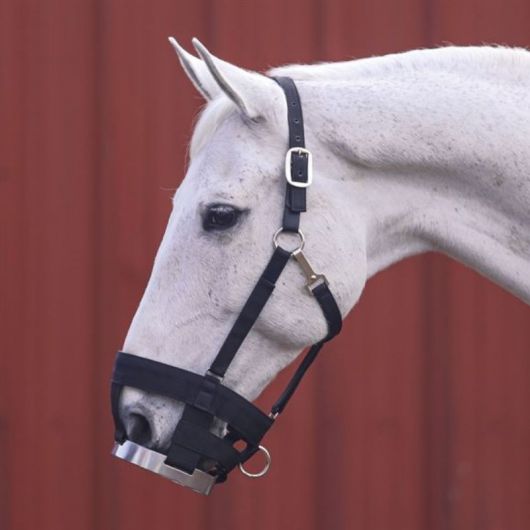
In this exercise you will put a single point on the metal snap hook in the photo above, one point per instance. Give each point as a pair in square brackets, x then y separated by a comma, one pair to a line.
[299, 233]
[268, 461]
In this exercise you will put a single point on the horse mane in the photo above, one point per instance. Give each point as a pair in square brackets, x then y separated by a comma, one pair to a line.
[490, 61]
[497, 62]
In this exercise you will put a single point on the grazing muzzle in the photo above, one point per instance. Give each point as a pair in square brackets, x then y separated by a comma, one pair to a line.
[197, 458]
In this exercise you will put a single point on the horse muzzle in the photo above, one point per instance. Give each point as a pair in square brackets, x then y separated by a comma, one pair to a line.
[197, 458]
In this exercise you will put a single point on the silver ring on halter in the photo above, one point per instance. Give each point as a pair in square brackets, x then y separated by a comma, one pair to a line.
[301, 240]
[268, 461]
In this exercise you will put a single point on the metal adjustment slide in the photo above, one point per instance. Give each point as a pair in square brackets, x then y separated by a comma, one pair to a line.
[288, 167]
[313, 278]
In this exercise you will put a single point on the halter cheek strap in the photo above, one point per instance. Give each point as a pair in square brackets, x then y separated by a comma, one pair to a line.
[298, 163]
[198, 458]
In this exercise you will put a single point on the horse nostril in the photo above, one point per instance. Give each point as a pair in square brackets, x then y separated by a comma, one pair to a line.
[139, 429]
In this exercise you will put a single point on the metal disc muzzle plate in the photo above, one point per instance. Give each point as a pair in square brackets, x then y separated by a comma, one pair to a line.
[198, 481]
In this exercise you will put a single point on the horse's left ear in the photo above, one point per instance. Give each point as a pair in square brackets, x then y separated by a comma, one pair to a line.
[250, 91]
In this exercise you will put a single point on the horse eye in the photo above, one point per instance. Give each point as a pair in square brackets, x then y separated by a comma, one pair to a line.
[220, 217]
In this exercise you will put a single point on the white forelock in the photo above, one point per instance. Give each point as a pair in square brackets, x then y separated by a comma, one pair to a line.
[211, 116]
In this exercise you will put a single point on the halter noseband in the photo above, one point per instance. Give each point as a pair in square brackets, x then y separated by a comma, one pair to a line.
[197, 458]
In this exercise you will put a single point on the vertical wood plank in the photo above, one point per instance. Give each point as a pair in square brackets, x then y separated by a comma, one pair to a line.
[371, 382]
[50, 170]
[12, 255]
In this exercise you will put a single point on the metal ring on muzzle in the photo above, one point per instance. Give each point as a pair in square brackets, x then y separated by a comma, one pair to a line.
[265, 468]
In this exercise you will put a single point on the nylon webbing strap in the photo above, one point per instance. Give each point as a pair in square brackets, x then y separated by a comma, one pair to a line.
[182, 385]
[331, 311]
[205, 398]
[295, 197]
[250, 312]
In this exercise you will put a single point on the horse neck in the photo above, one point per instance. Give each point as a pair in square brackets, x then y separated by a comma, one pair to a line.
[434, 160]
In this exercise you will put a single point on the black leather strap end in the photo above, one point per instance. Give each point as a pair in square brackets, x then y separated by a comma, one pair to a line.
[291, 220]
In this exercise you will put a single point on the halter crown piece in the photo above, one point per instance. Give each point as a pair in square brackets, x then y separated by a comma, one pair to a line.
[197, 458]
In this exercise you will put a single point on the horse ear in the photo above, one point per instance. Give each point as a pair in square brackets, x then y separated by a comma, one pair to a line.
[197, 71]
[250, 91]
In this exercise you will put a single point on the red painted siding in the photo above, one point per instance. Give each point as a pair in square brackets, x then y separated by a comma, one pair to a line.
[418, 412]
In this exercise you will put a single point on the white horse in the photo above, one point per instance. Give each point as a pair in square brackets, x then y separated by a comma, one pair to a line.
[424, 150]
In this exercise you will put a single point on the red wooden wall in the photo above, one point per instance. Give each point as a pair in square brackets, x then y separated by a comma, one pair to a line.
[418, 413]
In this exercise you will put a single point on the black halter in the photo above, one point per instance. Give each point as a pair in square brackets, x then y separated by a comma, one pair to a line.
[198, 458]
